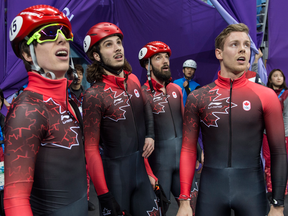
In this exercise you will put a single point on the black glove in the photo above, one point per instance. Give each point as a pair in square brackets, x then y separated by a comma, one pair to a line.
[109, 205]
[163, 202]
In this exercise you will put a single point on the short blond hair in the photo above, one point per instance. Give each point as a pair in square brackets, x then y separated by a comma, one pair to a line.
[220, 39]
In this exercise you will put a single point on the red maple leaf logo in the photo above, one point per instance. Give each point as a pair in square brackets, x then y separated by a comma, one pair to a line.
[215, 104]
[246, 103]
[118, 102]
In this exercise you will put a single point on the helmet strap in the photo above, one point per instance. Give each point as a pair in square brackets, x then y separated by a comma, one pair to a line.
[149, 77]
[36, 67]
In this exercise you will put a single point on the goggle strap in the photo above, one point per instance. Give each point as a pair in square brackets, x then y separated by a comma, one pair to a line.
[35, 65]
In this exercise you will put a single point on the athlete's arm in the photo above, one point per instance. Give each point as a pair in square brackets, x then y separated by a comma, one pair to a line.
[189, 146]
[92, 115]
[148, 147]
[276, 140]
[26, 125]
[153, 179]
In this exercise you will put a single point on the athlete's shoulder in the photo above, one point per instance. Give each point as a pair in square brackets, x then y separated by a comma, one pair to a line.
[26, 104]
[261, 90]
[28, 98]
[174, 86]
[134, 78]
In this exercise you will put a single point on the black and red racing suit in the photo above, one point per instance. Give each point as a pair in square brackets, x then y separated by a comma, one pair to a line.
[117, 117]
[168, 111]
[44, 154]
[232, 115]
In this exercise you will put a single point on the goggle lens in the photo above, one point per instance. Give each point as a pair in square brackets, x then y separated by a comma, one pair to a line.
[50, 33]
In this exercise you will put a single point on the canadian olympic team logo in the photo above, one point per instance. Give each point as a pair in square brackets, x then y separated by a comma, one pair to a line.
[246, 105]
[174, 94]
[136, 93]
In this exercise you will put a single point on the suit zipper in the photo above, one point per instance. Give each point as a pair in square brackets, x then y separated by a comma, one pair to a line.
[230, 128]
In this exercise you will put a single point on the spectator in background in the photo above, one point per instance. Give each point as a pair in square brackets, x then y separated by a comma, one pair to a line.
[276, 81]
[76, 90]
[253, 75]
[187, 84]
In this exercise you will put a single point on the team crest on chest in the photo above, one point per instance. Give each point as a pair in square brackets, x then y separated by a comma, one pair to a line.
[246, 105]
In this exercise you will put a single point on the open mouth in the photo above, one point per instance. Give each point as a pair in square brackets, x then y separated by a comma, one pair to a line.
[62, 53]
[166, 67]
[118, 56]
[241, 59]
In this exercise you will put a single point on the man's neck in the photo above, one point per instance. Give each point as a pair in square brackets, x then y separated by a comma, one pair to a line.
[109, 73]
[188, 78]
[231, 75]
[158, 81]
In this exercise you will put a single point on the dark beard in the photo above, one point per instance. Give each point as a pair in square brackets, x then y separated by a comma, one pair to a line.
[160, 75]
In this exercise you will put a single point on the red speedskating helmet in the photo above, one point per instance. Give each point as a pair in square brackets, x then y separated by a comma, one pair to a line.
[151, 49]
[98, 32]
[31, 18]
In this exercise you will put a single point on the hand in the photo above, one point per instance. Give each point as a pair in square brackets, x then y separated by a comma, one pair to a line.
[185, 83]
[148, 147]
[6, 103]
[153, 181]
[276, 211]
[202, 157]
[185, 208]
[258, 56]
[109, 204]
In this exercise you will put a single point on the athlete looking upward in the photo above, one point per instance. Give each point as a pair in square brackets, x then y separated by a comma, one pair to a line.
[232, 113]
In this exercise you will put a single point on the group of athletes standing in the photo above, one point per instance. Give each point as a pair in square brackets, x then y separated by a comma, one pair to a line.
[45, 153]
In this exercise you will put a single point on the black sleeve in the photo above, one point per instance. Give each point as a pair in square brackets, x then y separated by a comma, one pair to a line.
[149, 120]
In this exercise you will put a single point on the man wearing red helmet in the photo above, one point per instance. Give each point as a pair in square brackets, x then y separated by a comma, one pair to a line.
[232, 113]
[44, 155]
[166, 101]
[113, 109]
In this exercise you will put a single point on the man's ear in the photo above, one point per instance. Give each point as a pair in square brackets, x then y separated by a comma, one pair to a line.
[96, 56]
[27, 57]
[218, 54]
